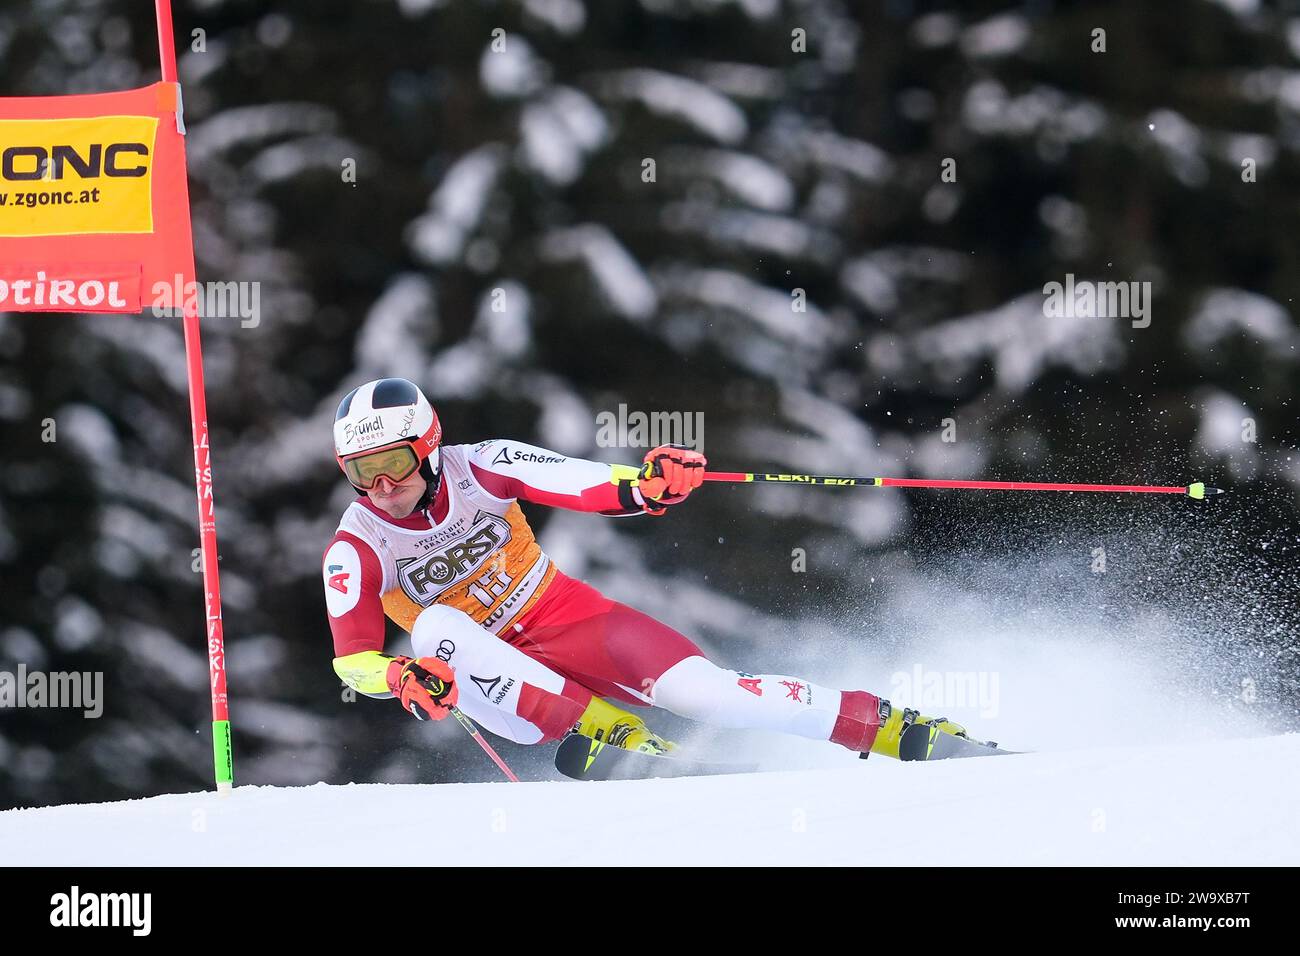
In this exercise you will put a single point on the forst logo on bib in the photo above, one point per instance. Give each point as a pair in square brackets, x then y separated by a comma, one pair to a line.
[424, 578]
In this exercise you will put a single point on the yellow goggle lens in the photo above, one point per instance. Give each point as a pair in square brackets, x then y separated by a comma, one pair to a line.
[395, 464]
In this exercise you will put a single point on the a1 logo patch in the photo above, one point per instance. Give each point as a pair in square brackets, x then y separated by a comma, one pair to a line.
[342, 574]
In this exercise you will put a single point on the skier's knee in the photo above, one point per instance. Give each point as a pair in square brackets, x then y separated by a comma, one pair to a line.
[693, 688]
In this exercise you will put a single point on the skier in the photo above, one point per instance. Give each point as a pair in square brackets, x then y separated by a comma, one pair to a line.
[437, 542]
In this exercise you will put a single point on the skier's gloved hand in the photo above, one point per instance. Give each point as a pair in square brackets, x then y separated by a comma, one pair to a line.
[425, 686]
[670, 473]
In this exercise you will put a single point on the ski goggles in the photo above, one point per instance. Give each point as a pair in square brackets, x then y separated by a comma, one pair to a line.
[396, 464]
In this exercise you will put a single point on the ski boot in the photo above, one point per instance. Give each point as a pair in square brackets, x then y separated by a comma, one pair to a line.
[607, 724]
[900, 718]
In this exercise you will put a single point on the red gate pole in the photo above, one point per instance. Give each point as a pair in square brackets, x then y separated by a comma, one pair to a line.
[221, 749]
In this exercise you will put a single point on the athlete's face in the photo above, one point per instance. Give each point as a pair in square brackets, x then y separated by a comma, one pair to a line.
[397, 498]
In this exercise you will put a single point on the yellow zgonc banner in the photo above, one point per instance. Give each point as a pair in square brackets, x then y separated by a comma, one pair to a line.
[77, 177]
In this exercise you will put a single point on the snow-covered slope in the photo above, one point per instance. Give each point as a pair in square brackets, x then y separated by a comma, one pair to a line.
[1227, 802]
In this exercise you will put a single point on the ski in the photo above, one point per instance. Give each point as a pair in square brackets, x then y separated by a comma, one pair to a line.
[581, 758]
[926, 742]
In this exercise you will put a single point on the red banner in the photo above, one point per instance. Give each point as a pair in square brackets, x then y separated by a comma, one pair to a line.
[94, 287]
[94, 202]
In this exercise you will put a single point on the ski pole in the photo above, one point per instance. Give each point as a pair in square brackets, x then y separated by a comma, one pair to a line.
[472, 730]
[1196, 489]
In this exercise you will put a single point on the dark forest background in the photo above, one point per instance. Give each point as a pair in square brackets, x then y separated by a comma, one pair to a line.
[1173, 157]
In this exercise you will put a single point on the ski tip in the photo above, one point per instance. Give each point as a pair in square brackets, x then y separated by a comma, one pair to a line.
[1199, 490]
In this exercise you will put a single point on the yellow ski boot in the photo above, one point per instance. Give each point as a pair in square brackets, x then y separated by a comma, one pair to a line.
[611, 725]
[900, 718]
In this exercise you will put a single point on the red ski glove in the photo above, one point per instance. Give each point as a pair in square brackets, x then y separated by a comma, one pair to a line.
[425, 686]
[671, 472]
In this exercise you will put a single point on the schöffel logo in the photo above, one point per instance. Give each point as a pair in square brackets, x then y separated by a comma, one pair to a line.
[425, 577]
[505, 457]
[489, 684]
[486, 684]
[78, 176]
[501, 694]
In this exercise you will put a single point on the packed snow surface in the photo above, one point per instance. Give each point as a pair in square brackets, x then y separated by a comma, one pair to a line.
[1216, 803]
